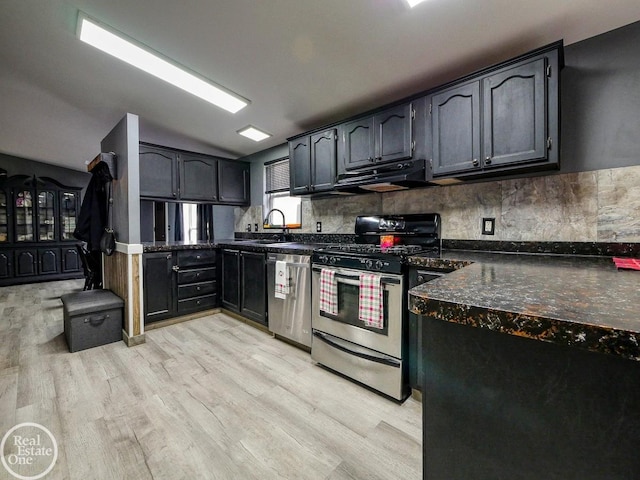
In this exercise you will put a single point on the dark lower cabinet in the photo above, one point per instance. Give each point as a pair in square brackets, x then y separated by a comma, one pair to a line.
[70, 260]
[179, 283]
[26, 263]
[244, 284]
[159, 286]
[6, 265]
[48, 261]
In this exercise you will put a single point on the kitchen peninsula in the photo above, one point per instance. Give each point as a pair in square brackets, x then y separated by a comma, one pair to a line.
[531, 368]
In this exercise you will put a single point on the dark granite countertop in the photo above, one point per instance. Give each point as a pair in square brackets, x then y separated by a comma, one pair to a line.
[582, 302]
[262, 246]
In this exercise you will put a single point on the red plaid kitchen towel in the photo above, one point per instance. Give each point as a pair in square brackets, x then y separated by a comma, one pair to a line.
[628, 263]
[328, 292]
[370, 309]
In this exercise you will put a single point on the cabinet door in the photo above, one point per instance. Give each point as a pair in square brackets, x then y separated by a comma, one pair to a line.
[394, 134]
[455, 117]
[515, 127]
[323, 160]
[233, 182]
[70, 260]
[5, 233]
[23, 215]
[26, 263]
[46, 218]
[253, 286]
[359, 143]
[231, 279]
[158, 173]
[48, 261]
[69, 207]
[159, 286]
[299, 166]
[6, 266]
[198, 178]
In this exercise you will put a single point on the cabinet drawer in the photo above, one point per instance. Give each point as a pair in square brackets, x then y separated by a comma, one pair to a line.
[199, 275]
[196, 258]
[196, 290]
[198, 303]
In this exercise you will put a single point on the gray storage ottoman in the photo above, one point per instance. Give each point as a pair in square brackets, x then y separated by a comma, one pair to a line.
[92, 318]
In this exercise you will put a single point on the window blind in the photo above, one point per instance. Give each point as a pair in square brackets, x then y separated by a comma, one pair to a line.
[277, 176]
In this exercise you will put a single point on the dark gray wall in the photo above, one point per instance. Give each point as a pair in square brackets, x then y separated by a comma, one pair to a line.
[22, 166]
[601, 102]
[124, 141]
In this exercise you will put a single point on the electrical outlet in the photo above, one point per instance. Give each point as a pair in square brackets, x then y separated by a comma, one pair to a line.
[255, 227]
[488, 226]
[248, 227]
[318, 227]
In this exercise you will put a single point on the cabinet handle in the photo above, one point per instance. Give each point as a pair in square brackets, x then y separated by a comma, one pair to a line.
[174, 194]
[198, 288]
[197, 274]
[197, 257]
[487, 160]
[169, 256]
[175, 268]
[475, 162]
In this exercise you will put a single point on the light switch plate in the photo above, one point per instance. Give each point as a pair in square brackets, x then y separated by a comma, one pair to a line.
[488, 226]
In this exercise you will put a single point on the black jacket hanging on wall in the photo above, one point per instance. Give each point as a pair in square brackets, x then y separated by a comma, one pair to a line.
[93, 211]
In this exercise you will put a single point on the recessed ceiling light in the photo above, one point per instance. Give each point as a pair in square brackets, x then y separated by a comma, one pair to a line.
[253, 133]
[413, 3]
[120, 46]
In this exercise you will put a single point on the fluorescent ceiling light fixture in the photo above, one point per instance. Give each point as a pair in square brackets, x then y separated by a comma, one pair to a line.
[253, 133]
[413, 3]
[128, 50]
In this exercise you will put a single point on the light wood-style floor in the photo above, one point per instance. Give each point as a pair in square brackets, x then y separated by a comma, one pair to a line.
[211, 398]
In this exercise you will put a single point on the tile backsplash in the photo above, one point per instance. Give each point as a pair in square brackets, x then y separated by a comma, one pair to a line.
[597, 206]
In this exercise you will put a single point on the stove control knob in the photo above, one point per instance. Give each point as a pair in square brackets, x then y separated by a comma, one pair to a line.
[379, 264]
[323, 258]
[332, 260]
[368, 263]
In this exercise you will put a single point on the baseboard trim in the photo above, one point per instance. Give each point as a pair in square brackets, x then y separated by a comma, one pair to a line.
[133, 341]
[183, 318]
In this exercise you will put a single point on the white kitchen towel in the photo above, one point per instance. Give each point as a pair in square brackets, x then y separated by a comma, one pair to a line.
[328, 292]
[371, 307]
[282, 280]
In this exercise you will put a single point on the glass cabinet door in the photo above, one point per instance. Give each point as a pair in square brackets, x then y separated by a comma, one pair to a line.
[24, 216]
[68, 214]
[46, 216]
[4, 220]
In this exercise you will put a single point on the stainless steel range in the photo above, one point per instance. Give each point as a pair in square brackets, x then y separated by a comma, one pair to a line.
[360, 299]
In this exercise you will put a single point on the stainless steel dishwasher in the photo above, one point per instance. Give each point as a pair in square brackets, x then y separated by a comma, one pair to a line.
[290, 317]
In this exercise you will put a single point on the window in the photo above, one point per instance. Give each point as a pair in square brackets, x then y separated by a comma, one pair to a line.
[276, 188]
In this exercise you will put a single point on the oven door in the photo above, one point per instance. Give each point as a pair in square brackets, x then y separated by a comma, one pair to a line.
[346, 324]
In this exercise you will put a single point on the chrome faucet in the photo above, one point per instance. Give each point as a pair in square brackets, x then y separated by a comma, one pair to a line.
[266, 219]
[283, 236]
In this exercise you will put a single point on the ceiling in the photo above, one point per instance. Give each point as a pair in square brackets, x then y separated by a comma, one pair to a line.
[302, 63]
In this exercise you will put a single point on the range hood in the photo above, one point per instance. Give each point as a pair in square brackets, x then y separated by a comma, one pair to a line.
[384, 178]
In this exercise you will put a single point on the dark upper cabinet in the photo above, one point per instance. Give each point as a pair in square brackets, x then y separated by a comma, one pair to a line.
[299, 166]
[233, 182]
[323, 160]
[455, 116]
[515, 129]
[6, 229]
[158, 172]
[359, 143]
[312, 162]
[505, 119]
[198, 177]
[384, 137]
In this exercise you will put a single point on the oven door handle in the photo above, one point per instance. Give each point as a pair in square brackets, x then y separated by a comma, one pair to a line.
[395, 281]
[373, 358]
